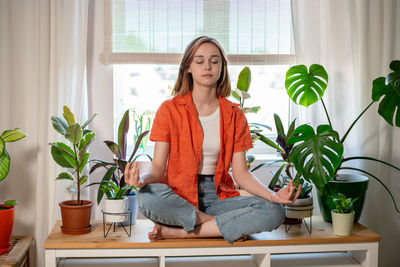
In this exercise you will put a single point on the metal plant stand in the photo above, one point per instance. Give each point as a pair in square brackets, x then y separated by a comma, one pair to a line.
[127, 213]
[306, 213]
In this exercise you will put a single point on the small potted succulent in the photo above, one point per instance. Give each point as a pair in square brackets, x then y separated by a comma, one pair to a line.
[343, 214]
[113, 181]
[7, 209]
[73, 156]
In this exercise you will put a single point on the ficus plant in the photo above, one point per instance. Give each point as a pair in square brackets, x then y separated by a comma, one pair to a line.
[318, 155]
[113, 179]
[241, 93]
[73, 155]
[342, 203]
[8, 136]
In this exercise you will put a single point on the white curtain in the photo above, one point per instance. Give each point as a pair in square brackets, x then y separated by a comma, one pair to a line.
[356, 41]
[42, 67]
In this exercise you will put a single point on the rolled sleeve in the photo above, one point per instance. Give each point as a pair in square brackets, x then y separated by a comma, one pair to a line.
[160, 131]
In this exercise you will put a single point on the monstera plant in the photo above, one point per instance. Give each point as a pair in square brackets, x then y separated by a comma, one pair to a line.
[318, 154]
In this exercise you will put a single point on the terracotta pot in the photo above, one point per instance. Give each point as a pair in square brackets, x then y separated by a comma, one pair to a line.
[76, 218]
[6, 227]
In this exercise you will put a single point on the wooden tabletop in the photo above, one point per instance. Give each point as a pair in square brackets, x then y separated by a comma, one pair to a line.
[19, 247]
[322, 232]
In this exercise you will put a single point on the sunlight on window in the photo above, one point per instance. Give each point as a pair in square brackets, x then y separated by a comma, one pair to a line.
[145, 87]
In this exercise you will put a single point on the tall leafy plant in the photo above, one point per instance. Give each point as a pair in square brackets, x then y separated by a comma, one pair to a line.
[8, 136]
[73, 155]
[241, 93]
[318, 155]
[113, 179]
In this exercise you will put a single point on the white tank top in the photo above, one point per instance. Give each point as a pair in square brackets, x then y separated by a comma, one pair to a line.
[211, 142]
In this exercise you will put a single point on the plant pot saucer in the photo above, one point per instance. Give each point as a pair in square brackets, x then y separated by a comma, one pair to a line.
[5, 250]
[76, 231]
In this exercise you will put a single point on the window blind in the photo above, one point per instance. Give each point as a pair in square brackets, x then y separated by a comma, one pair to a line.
[157, 31]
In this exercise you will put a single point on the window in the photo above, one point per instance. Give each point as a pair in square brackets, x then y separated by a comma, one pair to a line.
[144, 40]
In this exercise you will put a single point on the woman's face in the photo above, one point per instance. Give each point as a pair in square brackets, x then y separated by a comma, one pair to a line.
[206, 65]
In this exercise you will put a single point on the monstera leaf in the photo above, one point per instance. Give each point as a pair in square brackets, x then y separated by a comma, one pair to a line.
[394, 77]
[316, 155]
[306, 87]
[390, 101]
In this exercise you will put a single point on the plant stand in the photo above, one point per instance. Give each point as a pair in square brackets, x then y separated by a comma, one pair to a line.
[128, 213]
[302, 214]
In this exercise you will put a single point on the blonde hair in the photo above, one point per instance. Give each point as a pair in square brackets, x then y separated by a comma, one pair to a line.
[184, 82]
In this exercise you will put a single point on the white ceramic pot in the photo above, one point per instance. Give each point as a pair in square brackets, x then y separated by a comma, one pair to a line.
[116, 206]
[342, 223]
[301, 208]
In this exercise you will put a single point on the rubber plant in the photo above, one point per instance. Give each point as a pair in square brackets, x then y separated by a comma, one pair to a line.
[318, 155]
[8, 136]
[7, 209]
[241, 93]
[113, 179]
[73, 155]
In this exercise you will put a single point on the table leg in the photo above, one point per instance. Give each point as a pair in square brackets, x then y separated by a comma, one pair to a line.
[262, 260]
[50, 258]
[161, 261]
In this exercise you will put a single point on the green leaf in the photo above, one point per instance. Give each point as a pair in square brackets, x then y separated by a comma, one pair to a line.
[59, 124]
[12, 135]
[2, 146]
[4, 165]
[74, 133]
[251, 110]
[65, 176]
[394, 77]
[316, 155]
[390, 101]
[100, 164]
[113, 147]
[89, 120]
[306, 87]
[244, 79]
[84, 143]
[275, 179]
[63, 155]
[83, 179]
[11, 203]
[104, 182]
[235, 95]
[242, 94]
[83, 162]
[279, 126]
[137, 145]
[291, 129]
[68, 116]
[267, 141]
[123, 129]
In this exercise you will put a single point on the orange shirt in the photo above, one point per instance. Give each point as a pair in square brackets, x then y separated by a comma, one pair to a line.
[177, 123]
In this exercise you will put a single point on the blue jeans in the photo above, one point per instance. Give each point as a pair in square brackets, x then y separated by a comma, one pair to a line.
[235, 216]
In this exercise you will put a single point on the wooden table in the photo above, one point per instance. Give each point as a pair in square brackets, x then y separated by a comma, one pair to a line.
[362, 245]
[18, 256]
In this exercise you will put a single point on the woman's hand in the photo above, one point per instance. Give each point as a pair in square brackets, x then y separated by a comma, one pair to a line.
[131, 174]
[287, 194]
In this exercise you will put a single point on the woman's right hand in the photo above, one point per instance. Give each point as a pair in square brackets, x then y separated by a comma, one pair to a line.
[131, 174]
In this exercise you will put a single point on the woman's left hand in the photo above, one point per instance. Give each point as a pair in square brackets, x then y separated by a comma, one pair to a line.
[287, 194]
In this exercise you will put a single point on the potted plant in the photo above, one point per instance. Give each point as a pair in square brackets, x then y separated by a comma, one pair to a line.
[114, 175]
[7, 209]
[116, 201]
[343, 215]
[73, 156]
[303, 206]
[318, 155]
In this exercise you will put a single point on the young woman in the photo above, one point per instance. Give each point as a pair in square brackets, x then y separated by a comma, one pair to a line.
[198, 136]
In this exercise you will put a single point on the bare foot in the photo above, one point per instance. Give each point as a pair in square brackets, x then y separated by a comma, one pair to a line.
[156, 234]
[241, 239]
